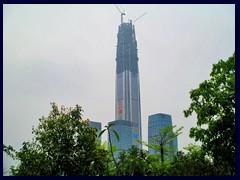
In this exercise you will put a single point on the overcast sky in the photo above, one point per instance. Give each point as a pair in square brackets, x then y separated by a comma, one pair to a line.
[66, 54]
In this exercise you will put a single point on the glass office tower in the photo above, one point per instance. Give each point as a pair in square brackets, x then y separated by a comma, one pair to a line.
[156, 122]
[98, 125]
[125, 132]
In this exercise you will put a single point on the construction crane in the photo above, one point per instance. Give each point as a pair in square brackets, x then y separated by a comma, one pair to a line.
[122, 13]
[139, 17]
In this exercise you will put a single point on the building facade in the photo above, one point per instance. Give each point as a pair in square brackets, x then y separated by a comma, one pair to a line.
[98, 125]
[127, 95]
[125, 130]
[157, 122]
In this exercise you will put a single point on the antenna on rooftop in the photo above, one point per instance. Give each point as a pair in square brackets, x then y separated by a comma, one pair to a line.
[122, 13]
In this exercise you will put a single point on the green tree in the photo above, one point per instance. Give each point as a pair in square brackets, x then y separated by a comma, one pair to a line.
[161, 142]
[155, 167]
[214, 103]
[63, 146]
[132, 162]
[193, 163]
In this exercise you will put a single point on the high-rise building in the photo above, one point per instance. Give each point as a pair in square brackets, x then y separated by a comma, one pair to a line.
[155, 123]
[127, 95]
[125, 132]
[98, 125]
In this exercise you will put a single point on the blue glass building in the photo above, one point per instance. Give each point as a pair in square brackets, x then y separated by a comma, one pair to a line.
[97, 125]
[156, 122]
[127, 136]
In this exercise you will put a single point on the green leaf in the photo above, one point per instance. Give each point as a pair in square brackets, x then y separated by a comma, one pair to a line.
[101, 133]
[116, 134]
[91, 167]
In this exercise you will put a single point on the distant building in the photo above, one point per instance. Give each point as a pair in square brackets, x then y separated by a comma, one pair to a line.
[98, 125]
[156, 122]
[127, 136]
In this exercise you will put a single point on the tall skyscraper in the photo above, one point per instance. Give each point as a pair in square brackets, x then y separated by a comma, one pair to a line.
[156, 122]
[127, 97]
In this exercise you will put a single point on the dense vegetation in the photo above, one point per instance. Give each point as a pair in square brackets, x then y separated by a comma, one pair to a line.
[214, 103]
[63, 145]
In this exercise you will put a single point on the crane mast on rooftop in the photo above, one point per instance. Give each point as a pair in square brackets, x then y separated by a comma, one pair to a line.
[122, 13]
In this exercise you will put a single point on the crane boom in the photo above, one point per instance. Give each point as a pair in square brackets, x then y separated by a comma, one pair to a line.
[118, 8]
[139, 17]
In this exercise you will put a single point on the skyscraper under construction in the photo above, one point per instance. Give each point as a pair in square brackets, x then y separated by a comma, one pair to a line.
[127, 98]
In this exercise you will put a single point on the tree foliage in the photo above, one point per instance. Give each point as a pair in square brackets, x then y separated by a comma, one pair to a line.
[132, 162]
[161, 143]
[193, 163]
[63, 146]
[214, 103]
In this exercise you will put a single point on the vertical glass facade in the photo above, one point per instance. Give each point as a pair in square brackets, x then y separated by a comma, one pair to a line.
[127, 95]
[98, 125]
[127, 136]
[156, 122]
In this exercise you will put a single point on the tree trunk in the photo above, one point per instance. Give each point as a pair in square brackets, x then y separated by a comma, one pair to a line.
[162, 153]
[112, 149]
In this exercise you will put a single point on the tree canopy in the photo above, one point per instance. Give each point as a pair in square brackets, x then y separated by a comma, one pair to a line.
[132, 162]
[63, 145]
[214, 103]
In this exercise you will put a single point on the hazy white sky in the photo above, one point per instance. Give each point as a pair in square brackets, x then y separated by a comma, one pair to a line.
[66, 54]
